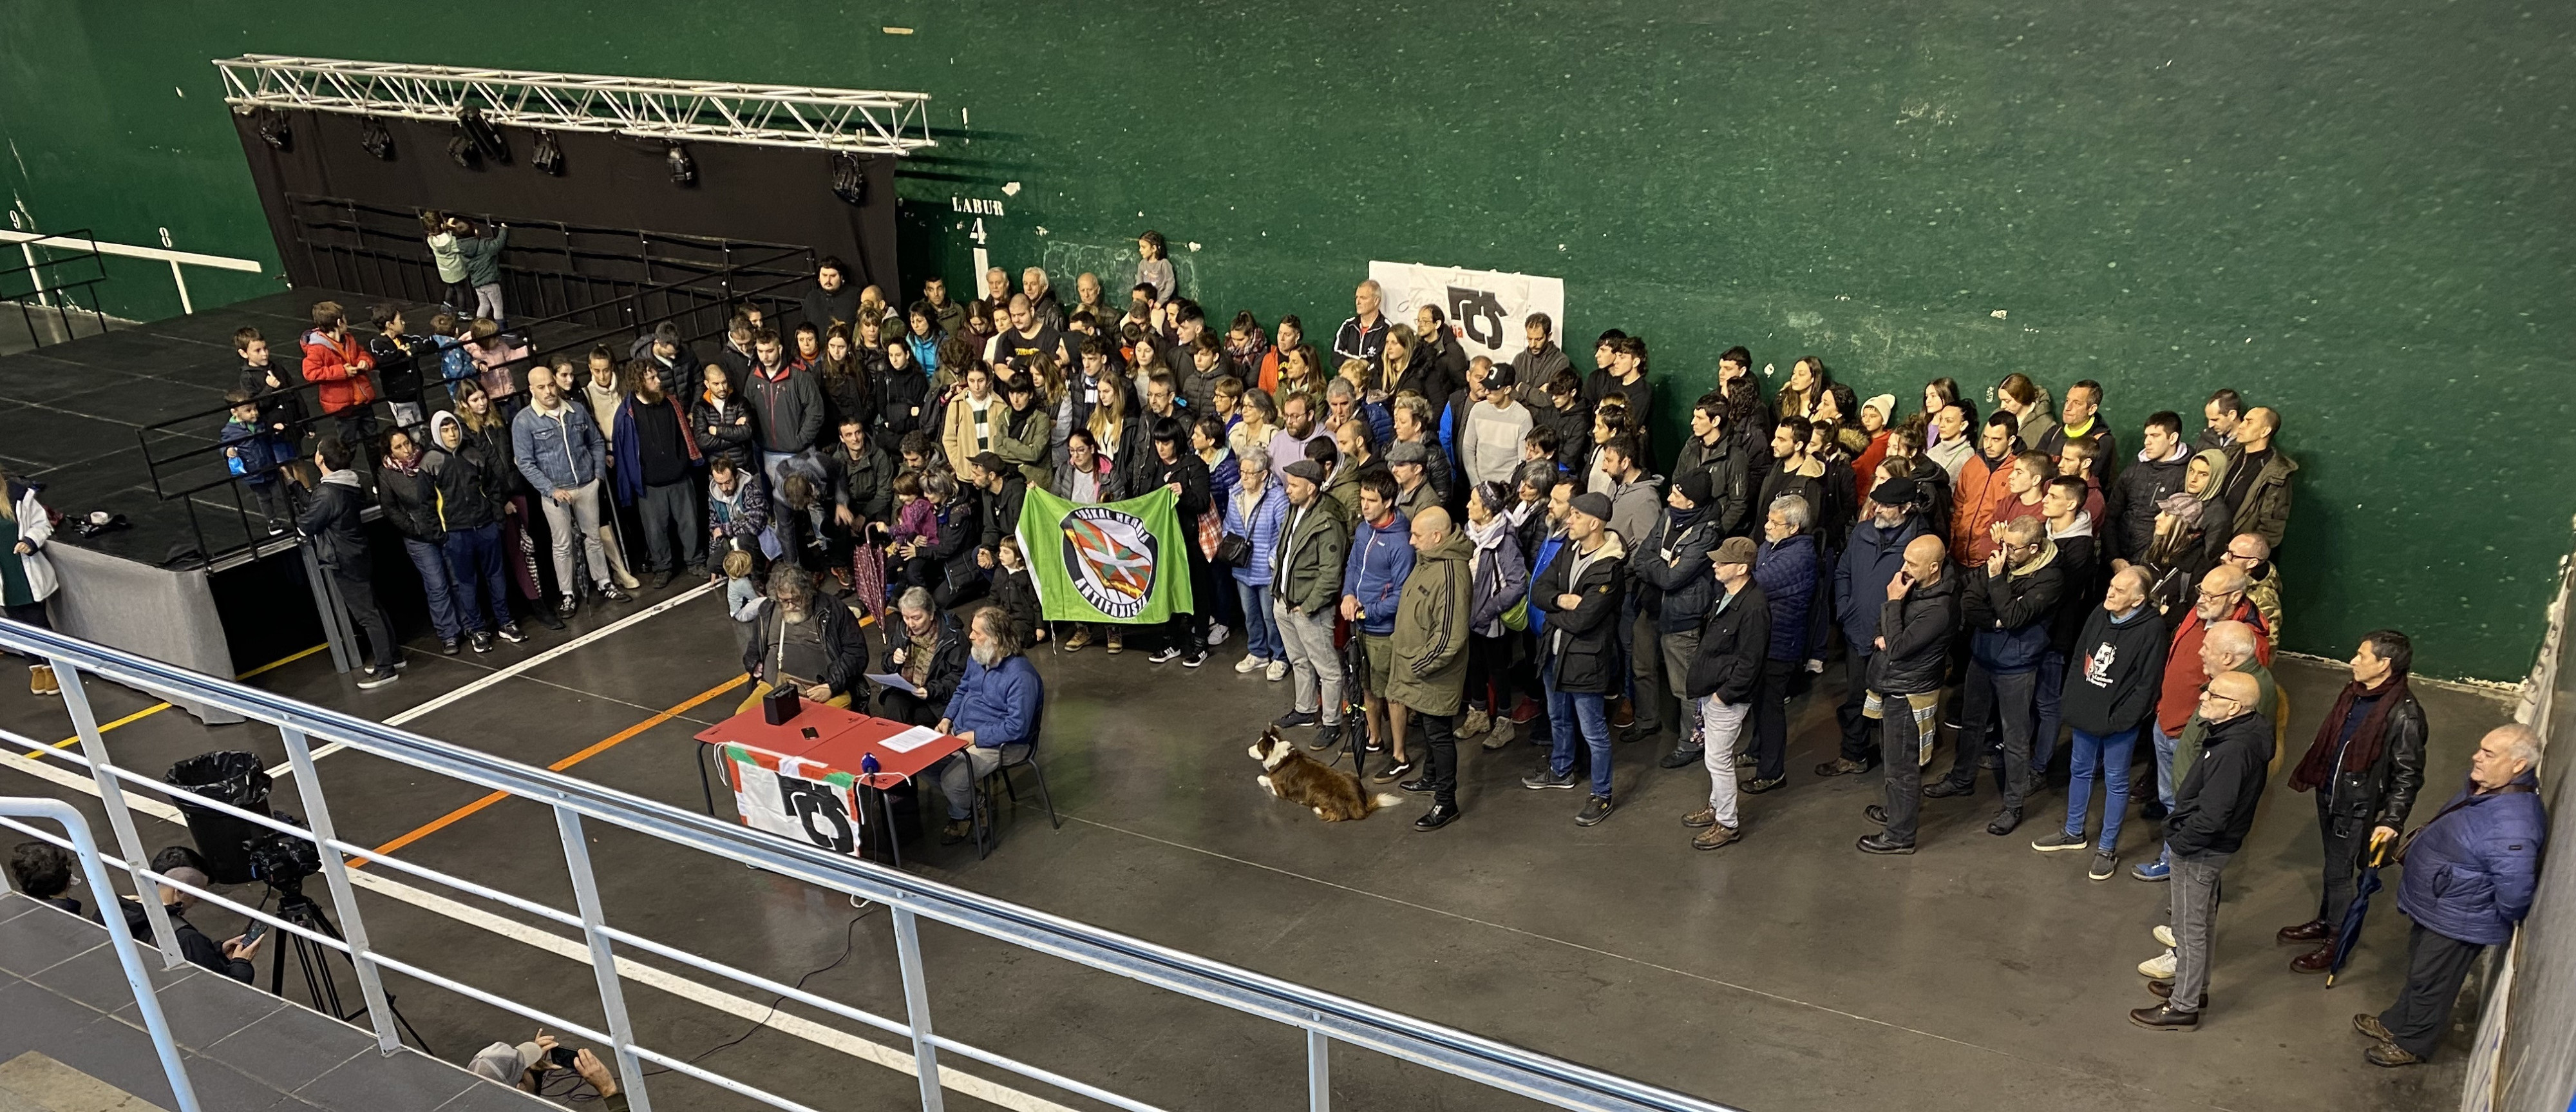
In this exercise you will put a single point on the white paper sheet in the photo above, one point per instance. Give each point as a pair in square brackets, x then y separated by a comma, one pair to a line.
[911, 739]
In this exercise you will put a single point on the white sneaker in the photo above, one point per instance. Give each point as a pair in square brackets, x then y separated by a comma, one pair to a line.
[2164, 936]
[1246, 665]
[1216, 633]
[1277, 671]
[2158, 968]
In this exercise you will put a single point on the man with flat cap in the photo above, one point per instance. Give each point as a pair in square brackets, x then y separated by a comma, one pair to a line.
[1578, 594]
[1733, 642]
[1410, 464]
[1306, 580]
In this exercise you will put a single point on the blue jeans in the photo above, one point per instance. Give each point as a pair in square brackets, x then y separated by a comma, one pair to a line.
[1565, 711]
[476, 581]
[431, 562]
[2043, 739]
[1260, 632]
[2164, 743]
[2110, 754]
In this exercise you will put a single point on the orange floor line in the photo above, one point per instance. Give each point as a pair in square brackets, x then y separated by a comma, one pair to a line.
[603, 745]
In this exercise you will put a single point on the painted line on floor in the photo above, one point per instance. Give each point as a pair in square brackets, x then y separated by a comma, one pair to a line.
[695, 992]
[498, 675]
[157, 708]
[603, 745]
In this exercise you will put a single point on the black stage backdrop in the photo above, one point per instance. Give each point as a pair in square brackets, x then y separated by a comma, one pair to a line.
[779, 195]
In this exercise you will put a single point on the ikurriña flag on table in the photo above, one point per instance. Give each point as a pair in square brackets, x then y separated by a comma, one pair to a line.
[1106, 561]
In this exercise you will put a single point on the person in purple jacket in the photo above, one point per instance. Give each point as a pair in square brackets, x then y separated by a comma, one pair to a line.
[2470, 874]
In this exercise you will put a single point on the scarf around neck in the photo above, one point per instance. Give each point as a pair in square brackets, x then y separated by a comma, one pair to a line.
[2367, 740]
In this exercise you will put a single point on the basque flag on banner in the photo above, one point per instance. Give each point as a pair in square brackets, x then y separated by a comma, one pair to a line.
[1107, 561]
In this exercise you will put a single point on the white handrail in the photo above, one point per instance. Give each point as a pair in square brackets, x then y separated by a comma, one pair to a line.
[28, 241]
[1325, 1019]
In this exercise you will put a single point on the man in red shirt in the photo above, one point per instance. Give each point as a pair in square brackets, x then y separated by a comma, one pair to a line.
[2222, 599]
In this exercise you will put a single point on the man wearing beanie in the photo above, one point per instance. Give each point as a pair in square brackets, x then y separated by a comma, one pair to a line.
[1725, 671]
[1874, 553]
[1670, 567]
[1577, 593]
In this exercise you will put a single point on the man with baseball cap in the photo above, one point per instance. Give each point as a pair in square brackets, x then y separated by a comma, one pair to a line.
[1723, 676]
[1578, 595]
[1490, 447]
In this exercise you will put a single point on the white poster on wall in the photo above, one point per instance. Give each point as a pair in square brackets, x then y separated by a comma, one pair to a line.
[1485, 308]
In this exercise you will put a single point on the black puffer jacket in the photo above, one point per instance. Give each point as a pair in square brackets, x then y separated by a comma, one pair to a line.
[1730, 475]
[2131, 505]
[1732, 646]
[1917, 629]
[2384, 793]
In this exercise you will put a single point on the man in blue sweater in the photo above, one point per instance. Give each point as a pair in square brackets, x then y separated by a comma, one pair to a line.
[1372, 579]
[995, 711]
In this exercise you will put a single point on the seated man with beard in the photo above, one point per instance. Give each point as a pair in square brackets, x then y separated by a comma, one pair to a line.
[995, 711]
[802, 638]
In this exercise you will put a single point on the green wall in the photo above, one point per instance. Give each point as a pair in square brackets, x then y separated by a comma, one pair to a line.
[2355, 212]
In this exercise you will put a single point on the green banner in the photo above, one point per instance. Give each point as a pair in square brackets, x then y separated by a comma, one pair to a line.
[1107, 561]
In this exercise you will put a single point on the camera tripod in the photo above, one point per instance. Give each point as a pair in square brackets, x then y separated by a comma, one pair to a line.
[312, 959]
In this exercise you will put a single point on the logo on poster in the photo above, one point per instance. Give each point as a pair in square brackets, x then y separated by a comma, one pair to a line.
[1111, 555]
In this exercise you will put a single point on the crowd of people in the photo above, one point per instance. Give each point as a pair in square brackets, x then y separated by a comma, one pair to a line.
[1424, 547]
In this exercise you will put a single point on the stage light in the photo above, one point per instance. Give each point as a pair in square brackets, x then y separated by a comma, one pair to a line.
[461, 148]
[684, 171]
[486, 137]
[548, 157]
[271, 126]
[849, 178]
[377, 141]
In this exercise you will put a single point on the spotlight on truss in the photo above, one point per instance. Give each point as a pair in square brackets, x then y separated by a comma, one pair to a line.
[684, 170]
[548, 157]
[849, 178]
[377, 141]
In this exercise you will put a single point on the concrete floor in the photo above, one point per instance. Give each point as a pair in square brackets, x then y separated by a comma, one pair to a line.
[1785, 972]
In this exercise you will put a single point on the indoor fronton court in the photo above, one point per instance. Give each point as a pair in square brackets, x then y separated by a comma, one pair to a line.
[1628, 557]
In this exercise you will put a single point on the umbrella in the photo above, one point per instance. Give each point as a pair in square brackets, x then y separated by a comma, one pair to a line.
[1355, 701]
[2350, 934]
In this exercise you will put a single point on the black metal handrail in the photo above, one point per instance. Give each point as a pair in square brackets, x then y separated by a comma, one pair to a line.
[724, 276]
[53, 294]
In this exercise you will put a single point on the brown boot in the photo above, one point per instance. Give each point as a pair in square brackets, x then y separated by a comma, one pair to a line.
[1499, 735]
[40, 680]
[2319, 960]
[1717, 835]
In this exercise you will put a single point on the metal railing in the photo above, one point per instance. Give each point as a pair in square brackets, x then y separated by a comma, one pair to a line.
[147, 1001]
[1323, 1019]
[57, 285]
[595, 285]
[177, 259]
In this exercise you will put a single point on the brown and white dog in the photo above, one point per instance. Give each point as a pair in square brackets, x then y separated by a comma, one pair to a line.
[1331, 793]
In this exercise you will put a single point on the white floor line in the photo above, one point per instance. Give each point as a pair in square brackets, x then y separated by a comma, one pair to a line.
[695, 992]
[481, 684]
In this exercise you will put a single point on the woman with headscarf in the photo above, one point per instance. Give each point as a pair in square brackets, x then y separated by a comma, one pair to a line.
[2191, 530]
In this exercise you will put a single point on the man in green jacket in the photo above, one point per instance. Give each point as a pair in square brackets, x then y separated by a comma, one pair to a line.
[1429, 675]
[1306, 582]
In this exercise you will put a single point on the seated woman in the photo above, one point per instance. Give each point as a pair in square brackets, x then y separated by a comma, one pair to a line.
[928, 649]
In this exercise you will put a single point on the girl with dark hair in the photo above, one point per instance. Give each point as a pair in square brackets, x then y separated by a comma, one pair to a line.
[1154, 267]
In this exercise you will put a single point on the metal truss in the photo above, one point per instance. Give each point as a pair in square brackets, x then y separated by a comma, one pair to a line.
[861, 122]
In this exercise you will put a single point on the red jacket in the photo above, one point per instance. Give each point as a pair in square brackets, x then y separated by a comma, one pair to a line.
[2183, 674]
[1975, 506]
[341, 367]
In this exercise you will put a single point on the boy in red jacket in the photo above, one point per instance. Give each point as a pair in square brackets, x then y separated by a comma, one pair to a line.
[339, 364]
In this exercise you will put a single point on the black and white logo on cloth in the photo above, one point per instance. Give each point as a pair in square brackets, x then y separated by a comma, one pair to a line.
[1487, 309]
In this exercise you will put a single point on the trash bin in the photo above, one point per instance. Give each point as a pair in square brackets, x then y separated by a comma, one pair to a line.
[232, 777]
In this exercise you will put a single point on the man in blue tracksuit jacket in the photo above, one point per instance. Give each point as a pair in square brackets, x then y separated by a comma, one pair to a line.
[1372, 580]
